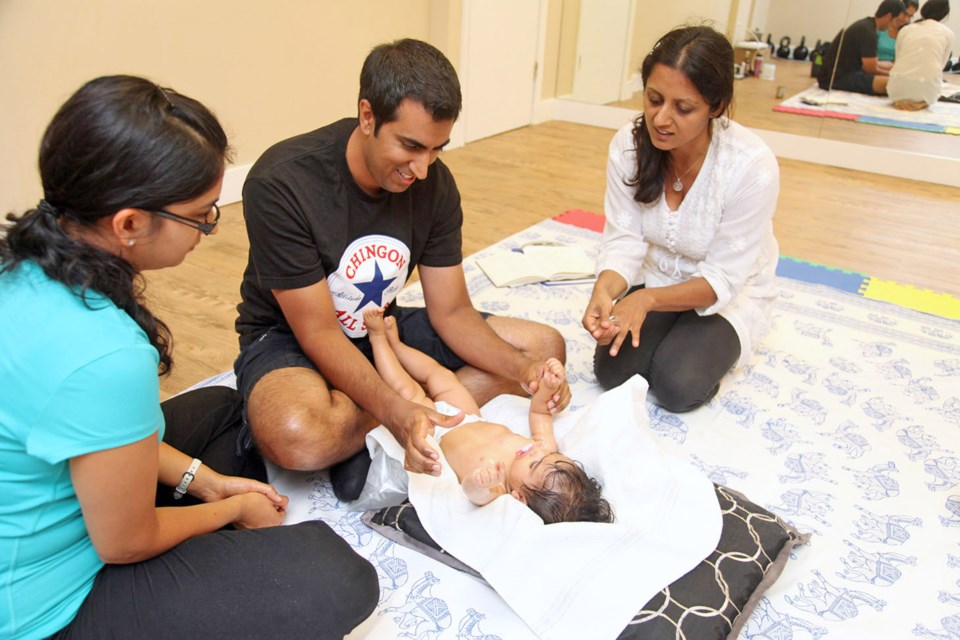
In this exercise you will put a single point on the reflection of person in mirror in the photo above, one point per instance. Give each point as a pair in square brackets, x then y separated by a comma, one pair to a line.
[923, 48]
[688, 257]
[489, 459]
[851, 63]
[887, 39]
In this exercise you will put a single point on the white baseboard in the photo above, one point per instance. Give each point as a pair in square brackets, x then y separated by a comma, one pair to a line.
[595, 115]
[859, 157]
[846, 155]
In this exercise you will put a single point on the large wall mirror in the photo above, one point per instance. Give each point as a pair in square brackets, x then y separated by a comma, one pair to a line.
[603, 42]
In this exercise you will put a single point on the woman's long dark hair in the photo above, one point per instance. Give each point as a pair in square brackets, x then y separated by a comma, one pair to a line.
[705, 57]
[935, 10]
[119, 141]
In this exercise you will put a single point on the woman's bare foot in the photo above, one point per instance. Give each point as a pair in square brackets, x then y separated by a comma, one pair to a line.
[910, 105]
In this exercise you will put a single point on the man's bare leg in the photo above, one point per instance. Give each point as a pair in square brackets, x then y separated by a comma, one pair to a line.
[535, 340]
[299, 423]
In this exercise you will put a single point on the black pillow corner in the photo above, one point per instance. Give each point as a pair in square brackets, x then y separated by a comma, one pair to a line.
[725, 587]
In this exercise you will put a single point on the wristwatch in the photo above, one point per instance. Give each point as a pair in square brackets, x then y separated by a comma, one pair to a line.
[187, 478]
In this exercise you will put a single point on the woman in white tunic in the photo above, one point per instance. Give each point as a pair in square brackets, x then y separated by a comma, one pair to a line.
[686, 269]
[923, 49]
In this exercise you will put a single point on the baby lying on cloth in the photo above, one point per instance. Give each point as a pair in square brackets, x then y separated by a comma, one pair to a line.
[667, 515]
[489, 459]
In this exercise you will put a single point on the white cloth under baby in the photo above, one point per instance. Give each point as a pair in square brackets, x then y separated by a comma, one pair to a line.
[578, 580]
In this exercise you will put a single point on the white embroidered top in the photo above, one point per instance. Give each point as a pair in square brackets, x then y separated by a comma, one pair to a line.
[722, 231]
[923, 48]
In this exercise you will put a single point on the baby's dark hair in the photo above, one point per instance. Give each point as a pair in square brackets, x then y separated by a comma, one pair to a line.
[568, 495]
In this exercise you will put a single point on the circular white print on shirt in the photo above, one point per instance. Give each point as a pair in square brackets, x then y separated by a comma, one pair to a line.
[372, 271]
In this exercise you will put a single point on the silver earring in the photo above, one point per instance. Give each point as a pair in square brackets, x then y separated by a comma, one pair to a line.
[130, 242]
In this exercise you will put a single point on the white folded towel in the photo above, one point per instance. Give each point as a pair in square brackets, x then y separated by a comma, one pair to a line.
[578, 580]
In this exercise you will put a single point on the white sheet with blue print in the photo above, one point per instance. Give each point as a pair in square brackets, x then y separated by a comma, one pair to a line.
[845, 423]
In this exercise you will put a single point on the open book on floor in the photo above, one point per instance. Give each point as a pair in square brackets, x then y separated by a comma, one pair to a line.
[537, 262]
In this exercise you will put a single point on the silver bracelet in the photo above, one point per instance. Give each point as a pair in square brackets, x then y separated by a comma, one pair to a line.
[187, 478]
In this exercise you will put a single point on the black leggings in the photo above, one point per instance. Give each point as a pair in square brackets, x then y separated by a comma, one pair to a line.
[297, 581]
[682, 356]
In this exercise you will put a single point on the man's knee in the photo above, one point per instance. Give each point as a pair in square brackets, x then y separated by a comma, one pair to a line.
[536, 340]
[550, 344]
[303, 429]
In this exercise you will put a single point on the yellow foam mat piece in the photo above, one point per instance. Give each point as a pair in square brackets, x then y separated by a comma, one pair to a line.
[954, 130]
[941, 304]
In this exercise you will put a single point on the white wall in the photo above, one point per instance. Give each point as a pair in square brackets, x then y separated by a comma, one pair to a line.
[269, 70]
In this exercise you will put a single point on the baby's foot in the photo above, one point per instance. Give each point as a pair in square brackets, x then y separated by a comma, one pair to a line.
[390, 328]
[376, 323]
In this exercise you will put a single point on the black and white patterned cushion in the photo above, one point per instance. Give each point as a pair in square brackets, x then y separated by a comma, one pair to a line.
[712, 601]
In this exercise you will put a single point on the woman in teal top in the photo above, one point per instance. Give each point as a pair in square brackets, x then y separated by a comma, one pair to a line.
[90, 461]
[887, 39]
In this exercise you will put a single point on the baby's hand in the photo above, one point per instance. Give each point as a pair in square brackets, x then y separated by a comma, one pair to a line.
[552, 376]
[490, 476]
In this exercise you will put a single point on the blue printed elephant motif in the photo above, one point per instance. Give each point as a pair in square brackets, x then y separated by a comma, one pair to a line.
[831, 602]
[421, 616]
[889, 530]
[879, 569]
[469, 628]
[848, 439]
[767, 623]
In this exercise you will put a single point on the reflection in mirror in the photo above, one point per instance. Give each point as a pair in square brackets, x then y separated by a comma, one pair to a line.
[592, 39]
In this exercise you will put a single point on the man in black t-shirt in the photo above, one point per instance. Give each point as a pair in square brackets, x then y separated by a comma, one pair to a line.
[337, 220]
[850, 62]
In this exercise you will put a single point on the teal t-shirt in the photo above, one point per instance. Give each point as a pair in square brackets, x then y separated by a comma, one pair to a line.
[886, 47]
[74, 381]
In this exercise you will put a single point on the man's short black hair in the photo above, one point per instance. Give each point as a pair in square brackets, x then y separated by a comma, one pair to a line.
[411, 69]
[892, 7]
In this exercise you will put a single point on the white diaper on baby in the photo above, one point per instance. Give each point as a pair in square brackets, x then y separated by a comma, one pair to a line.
[386, 483]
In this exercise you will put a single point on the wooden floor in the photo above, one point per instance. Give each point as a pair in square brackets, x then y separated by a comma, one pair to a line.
[892, 229]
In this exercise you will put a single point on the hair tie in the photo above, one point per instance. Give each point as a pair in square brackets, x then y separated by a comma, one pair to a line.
[48, 209]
